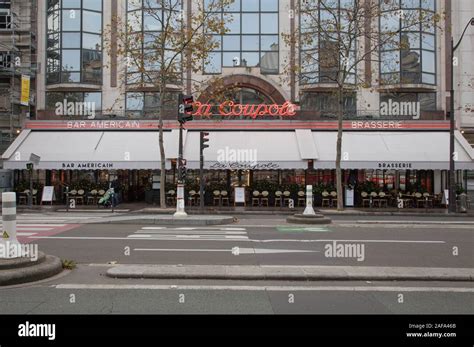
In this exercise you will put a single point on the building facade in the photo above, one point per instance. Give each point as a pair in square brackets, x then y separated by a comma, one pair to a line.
[277, 120]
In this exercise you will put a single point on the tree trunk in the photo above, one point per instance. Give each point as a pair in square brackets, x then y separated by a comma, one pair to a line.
[340, 114]
[162, 153]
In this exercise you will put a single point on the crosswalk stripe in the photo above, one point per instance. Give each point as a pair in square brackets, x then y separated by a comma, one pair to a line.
[25, 234]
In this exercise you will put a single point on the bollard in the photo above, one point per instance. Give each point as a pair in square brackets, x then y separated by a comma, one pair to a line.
[8, 234]
[180, 204]
[309, 201]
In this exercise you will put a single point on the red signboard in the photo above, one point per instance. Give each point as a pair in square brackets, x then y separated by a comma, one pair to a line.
[385, 125]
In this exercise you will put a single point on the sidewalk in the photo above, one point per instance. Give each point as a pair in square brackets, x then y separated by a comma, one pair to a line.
[290, 273]
[144, 209]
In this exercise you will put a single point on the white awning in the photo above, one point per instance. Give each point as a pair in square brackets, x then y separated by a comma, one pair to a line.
[90, 150]
[392, 150]
[254, 150]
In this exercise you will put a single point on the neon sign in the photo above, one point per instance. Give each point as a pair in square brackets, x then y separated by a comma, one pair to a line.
[231, 109]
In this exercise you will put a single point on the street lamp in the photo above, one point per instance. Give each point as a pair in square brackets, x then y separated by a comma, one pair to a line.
[452, 181]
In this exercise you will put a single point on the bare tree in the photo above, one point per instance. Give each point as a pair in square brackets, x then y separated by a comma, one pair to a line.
[336, 37]
[158, 42]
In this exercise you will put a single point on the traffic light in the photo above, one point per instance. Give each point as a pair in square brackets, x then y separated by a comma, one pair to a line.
[29, 166]
[204, 140]
[182, 172]
[186, 110]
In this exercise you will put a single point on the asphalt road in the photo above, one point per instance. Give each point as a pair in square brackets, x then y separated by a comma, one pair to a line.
[262, 243]
[86, 291]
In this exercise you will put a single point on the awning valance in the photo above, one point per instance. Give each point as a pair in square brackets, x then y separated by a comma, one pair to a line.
[393, 150]
[252, 150]
[90, 150]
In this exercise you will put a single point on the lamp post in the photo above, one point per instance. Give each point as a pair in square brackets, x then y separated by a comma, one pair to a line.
[452, 168]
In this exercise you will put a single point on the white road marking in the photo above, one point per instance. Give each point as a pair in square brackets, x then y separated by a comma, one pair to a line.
[264, 288]
[243, 240]
[153, 228]
[25, 234]
[207, 232]
[39, 225]
[241, 250]
[34, 228]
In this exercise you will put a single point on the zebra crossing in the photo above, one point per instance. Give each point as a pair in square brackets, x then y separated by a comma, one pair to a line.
[29, 232]
[190, 233]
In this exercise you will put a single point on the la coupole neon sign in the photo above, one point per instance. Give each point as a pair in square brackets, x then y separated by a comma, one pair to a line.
[231, 109]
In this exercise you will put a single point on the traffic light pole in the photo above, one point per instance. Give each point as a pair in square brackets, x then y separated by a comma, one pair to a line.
[201, 181]
[180, 202]
[30, 196]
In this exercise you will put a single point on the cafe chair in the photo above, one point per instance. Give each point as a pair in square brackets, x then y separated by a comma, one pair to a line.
[374, 199]
[333, 198]
[365, 199]
[301, 198]
[382, 200]
[278, 198]
[325, 200]
[428, 199]
[264, 198]
[24, 197]
[171, 198]
[256, 198]
[92, 197]
[225, 197]
[217, 198]
[192, 198]
[286, 198]
[419, 199]
[34, 197]
[80, 196]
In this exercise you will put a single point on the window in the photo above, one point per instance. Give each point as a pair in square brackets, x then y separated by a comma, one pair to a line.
[322, 55]
[146, 18]
[139, 104]
[78, 104]
[252, 39]
[408, 42]
[74, 42]
[5, 15]
[326, 104]
[408, 104]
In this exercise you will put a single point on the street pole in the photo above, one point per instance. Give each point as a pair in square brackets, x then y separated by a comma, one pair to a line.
[452, 126]
[201, 180]
[180, 203]
[30, 196]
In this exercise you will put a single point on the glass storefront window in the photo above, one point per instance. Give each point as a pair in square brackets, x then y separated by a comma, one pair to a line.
[252, 39]
[78, 29]
[408, 51]
[320, 53]
[146, 20]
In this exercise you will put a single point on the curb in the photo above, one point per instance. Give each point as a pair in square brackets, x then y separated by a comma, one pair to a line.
[166, 220]
[16, 263]
[50, 267]
[289, 273]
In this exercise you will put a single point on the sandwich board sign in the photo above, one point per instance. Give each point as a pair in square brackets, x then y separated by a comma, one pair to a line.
[48, 195]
